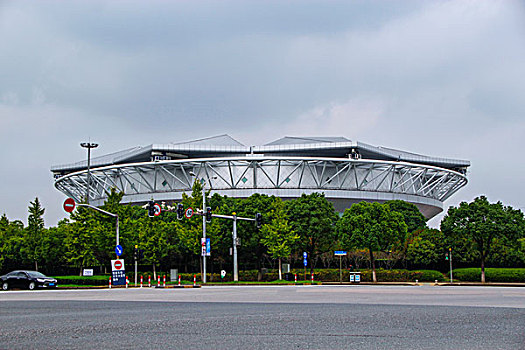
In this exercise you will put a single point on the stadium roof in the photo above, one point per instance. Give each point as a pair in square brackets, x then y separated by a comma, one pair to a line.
[226, 146]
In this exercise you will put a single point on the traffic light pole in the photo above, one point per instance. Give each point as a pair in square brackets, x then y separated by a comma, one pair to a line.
[450, 261]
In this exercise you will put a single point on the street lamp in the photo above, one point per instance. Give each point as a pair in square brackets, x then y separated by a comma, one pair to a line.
[89, 146]
[203, 183]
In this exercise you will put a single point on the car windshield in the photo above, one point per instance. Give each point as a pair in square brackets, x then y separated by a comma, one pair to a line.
[36, 274]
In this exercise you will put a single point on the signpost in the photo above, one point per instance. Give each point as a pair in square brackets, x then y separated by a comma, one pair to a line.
[69, 205]
[340, 254]
[118, 250]
[118, 272]
[157, 209]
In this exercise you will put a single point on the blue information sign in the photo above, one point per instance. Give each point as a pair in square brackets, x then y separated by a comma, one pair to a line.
[118, 250]
[305, 262]
[208, 247]
[305, 255]
[340, 252]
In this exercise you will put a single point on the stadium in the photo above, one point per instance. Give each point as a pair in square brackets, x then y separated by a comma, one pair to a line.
[345, 171]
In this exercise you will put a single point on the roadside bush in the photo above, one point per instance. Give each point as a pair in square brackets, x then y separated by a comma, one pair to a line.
[491, 275]
[84, 280]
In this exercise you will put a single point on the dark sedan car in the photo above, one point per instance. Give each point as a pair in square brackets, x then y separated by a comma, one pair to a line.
[26, 279]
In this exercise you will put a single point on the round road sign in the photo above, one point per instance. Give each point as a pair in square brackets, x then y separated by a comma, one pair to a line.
[118, 265]
[69, 205]
[188, 213]
[157, 209]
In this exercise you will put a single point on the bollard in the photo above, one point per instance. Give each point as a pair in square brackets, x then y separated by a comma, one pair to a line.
[436, 282]
[149, 281]
[295, 278]
[194, 280]
[141, 277]
[312, 277]
[110, 283]
[127, 281]
[158, 281]
[179, 280]
[164, 282]
[417, 282]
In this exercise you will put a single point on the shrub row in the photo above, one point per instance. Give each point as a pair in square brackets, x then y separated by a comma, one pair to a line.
[491, 275]
[324, 275]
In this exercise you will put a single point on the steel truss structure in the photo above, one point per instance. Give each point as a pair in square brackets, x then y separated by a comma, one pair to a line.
[287, 177]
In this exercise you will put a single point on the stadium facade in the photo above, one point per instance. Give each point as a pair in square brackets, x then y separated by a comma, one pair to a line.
[345, 171]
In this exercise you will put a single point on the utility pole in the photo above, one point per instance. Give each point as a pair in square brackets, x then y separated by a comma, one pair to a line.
[235, 266]
[89, 146]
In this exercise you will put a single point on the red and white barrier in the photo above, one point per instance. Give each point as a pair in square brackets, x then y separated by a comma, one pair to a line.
[179, 280]
[110, 283]
[295, 278]
[312, 277]
[149, 281]
[141, 277]
[194, 280]
[158, 281]
[164, 282]
[127, 281]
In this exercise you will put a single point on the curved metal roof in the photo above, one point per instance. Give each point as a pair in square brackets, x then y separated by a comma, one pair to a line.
[225, 145]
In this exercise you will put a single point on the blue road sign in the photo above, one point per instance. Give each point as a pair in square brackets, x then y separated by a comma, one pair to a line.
[118, 250]
[208, 247]
[305, 255]
[305, 262]
[340, 252]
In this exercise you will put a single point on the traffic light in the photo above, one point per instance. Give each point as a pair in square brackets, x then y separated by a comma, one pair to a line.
[151, 209]
[136, 252]
[180, 211]
[208, 214]
[258, 220]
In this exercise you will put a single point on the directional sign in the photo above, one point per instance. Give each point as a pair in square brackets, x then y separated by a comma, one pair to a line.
[157, 209]
[340, 252]
[69, 205]
[305, 255]
[118, 250]
[305, 262]
[188, 213]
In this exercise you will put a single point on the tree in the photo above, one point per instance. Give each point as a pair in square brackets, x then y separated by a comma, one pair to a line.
[411, 214]
[278, 237]
[483, 224]
[313, 218]
[372, 226]
[35, 231]
[425, 247]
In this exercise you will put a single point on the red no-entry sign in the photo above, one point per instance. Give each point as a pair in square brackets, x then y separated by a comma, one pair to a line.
[69, 205]
[118, 265]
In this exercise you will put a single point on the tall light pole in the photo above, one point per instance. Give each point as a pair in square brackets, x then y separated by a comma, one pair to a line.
[89, 146]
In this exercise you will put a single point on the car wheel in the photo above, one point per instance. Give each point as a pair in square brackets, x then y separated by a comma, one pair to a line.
[5, 286]
[31, 285]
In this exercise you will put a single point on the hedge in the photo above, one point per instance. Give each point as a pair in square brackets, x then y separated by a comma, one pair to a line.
[323, 275]
[491, 275]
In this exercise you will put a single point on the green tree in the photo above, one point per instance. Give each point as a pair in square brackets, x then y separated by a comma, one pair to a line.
[372, 226]
[79, 239]
[411, 214]
[35, 232]
[483, 224]
[425, 247]
[278, 236]
[313, 218]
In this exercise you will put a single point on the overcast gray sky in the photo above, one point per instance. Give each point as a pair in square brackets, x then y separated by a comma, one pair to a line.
[442, 78]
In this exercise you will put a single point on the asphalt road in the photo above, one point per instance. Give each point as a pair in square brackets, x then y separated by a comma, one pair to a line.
[313, 317]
